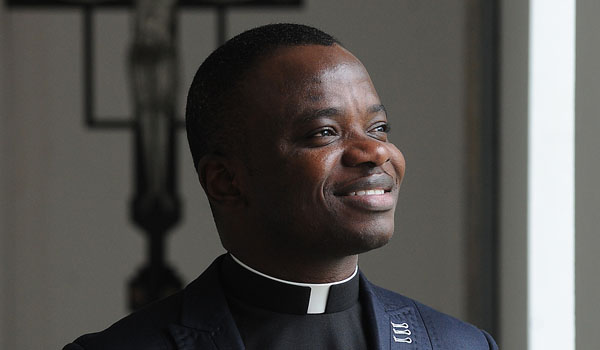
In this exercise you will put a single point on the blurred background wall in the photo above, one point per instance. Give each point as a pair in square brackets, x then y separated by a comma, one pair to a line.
[587, 173]
[68, 247]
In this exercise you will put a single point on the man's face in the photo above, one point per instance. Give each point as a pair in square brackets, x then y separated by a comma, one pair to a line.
[322, 177]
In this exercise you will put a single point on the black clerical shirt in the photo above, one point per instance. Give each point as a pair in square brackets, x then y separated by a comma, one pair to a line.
[274, 314]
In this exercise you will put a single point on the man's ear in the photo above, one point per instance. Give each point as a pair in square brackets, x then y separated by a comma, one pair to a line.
[217, 175]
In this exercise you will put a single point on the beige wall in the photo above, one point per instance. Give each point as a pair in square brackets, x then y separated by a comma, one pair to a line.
[514, 70]
[68, 246]
[587, 175]
[4, 202]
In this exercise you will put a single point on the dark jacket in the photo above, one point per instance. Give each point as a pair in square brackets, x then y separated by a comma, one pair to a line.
[198, 317]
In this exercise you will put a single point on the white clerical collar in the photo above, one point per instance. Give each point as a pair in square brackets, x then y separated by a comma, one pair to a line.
[319, 292]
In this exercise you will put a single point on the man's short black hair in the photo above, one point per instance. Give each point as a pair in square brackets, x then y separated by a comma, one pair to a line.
[212, 99]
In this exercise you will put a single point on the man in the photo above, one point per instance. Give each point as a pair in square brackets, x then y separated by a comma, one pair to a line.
[289, 139]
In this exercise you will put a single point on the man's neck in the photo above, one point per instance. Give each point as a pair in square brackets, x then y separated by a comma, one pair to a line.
[308, 270]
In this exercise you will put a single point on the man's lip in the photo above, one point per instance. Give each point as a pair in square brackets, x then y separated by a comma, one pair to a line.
[380, 181]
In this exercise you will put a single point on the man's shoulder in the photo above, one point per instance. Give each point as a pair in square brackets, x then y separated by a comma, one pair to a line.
[143, 329]
[164, 323]
[443, 331]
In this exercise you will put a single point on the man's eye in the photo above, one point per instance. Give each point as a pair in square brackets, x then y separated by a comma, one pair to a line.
[382, 128]
[324, 133]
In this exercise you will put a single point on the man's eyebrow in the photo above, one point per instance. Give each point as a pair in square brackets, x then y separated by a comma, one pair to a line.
[334, 112]
[319, 113]
[377, 108]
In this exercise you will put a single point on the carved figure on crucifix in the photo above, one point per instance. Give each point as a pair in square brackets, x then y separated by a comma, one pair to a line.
[156, 207]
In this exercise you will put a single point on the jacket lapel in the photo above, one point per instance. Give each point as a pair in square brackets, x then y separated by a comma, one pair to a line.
[206, 321]
[393, 321]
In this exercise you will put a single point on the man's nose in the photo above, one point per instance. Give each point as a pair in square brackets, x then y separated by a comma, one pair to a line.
[365, 150]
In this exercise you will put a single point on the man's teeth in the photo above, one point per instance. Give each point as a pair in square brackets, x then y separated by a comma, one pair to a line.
[366, 192]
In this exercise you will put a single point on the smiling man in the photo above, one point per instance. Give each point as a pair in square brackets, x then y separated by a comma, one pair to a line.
[289, 139]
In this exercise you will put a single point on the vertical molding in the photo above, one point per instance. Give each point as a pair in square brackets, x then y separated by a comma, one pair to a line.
[551, 186]
[481, 111]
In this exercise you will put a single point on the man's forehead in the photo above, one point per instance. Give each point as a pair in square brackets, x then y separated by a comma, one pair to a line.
[294, 80]
[305, 69]
[308, 61]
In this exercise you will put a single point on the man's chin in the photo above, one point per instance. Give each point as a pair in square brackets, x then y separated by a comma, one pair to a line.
[365, 242]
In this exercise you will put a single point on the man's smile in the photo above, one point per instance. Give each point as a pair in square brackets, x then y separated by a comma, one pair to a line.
[376, 182]
[371, 193]
[366, 192]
